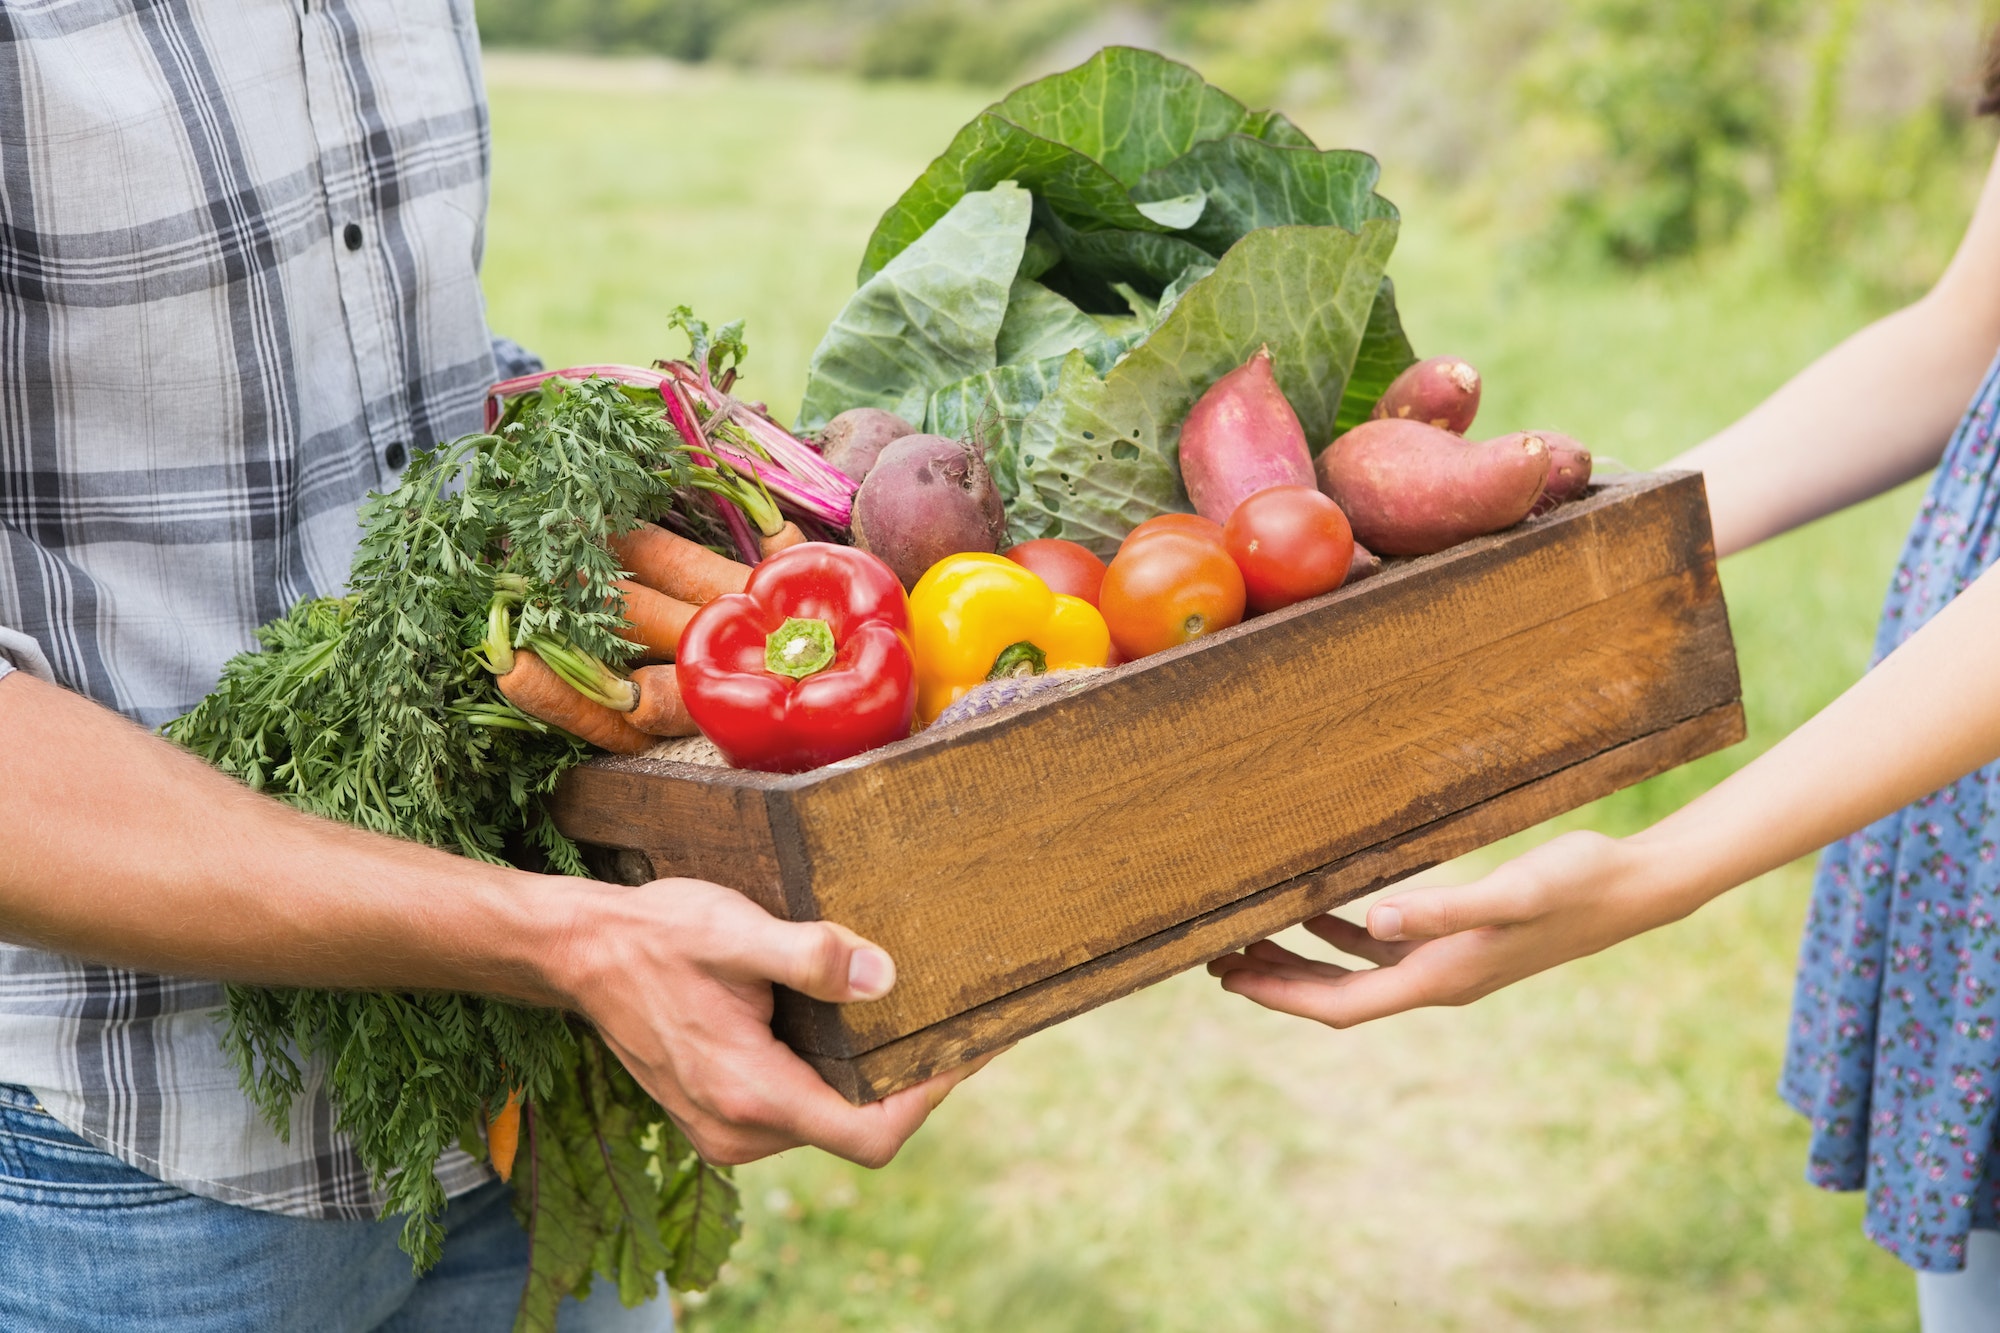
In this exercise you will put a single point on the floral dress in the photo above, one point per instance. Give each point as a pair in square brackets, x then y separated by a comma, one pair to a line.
[1894, 1050]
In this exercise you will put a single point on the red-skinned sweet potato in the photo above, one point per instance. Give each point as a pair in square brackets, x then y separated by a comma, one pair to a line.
[1569, 470]
[1240, 437]
[1411, 489]
[1441, 392]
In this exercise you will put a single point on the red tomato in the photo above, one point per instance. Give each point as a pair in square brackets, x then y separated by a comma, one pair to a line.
[1291, 543]
[1167, 588]
[1192, 524]
[1065, 566]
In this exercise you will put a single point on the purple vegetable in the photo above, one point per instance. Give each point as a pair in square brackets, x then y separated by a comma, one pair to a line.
[927, 497]
[994, 695]
[853, 440]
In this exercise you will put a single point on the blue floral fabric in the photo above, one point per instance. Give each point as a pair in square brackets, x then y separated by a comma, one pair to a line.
[1894, 1051]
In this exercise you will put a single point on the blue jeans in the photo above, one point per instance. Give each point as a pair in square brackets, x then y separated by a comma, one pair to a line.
[88, 1243]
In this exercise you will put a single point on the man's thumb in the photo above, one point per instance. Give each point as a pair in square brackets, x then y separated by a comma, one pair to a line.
[830, 962]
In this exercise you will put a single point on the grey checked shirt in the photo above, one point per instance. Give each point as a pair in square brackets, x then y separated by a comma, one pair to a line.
[239, 250]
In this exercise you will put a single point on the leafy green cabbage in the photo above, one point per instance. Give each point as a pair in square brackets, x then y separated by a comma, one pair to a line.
[1090, 254]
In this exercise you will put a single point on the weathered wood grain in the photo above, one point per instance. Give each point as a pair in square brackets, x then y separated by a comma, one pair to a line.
[989, 863]
[909, 1060]
[718, 831]
[996, 857]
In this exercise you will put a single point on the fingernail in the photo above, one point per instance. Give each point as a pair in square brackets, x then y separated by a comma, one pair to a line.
[870, 973]
[1386, 923]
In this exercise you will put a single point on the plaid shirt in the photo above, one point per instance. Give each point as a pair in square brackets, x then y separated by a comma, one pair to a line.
[239, 250]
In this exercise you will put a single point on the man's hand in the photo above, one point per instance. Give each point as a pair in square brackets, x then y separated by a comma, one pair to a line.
[1572, 896]
[677, 976]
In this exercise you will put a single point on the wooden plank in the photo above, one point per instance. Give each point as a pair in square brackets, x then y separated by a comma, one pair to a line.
[679, 825]
[988, 862]
[990, 1026]
[995, 857]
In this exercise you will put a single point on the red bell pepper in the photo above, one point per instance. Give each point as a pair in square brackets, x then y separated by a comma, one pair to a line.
[808, 665]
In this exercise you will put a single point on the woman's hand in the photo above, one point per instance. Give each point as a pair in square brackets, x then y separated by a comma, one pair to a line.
[1573, 896]
[1929, 713]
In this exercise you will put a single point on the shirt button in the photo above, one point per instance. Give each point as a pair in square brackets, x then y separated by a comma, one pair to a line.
[395, 456]
[351, 234]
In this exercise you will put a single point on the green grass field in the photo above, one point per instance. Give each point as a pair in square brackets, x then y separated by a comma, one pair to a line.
[1596, 1149]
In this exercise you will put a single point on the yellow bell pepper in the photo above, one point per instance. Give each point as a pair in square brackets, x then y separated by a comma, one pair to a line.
[975, 618]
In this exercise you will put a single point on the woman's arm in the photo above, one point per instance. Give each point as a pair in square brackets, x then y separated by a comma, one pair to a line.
[1927, 715]
[1870, 414]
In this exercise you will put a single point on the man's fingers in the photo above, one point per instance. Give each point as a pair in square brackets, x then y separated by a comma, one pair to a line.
[872, 1135]
[1503, 898]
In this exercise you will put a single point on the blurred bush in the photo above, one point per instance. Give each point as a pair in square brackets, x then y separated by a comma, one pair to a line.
[1633, 131]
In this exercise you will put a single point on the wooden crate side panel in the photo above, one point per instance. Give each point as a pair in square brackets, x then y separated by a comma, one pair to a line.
[1029, 861]
[704, 830]
[953, 1041]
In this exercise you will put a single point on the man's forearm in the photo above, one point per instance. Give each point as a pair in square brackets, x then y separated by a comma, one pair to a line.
[119, 847]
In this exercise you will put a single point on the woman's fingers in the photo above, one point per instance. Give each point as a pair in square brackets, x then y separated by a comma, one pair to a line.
[1354, 997]
[1275, 960]
[1350, 938]
[1504, 898]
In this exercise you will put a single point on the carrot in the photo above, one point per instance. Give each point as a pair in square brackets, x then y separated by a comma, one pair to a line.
[654, 620]
[503, 1136]
[676, 566]
[784, 537]
[539, 692]
[660, 711]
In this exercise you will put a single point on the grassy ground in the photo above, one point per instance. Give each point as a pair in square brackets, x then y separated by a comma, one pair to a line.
[1598, 1149]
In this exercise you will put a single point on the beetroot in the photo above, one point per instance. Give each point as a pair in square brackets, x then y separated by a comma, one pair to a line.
[1241, 437]
[927, 497]
[1441, 392]
[853, 440]
[1411, 489]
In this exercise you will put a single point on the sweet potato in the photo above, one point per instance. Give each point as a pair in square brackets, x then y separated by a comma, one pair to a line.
[1240, 437]
[1569, 471]
[1411, 489]
[1441, 392]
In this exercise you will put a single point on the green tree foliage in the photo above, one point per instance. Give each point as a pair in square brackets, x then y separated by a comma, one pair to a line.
[682, 29]
[1641, 131]
[1687, 120]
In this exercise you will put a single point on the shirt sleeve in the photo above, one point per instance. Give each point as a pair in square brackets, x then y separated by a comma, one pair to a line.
[18, 652]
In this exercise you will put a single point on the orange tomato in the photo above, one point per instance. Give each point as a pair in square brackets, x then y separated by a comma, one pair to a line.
[1194, 525]
[1167, 587]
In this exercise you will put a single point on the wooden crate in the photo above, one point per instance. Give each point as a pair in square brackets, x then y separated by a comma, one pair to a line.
[1027, 866]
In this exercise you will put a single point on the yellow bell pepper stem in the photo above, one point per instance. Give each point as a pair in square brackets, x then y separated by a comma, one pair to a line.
[976, 617]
